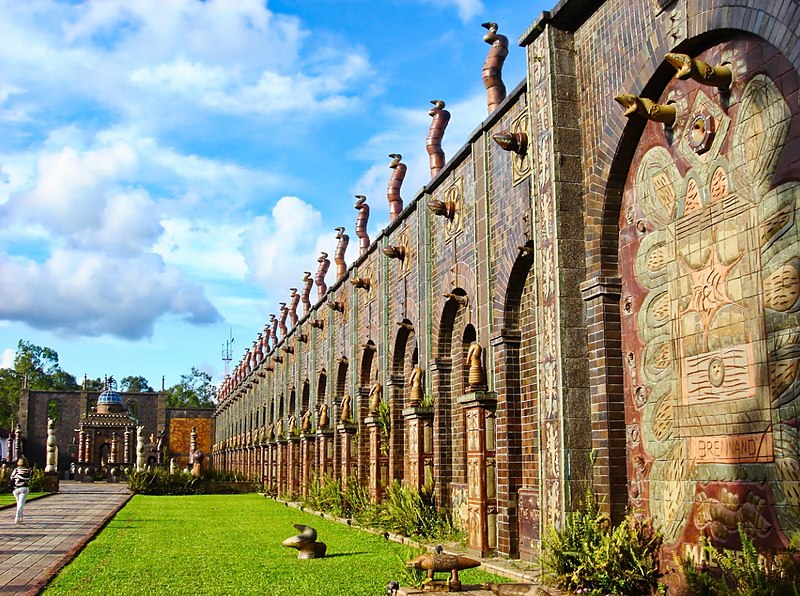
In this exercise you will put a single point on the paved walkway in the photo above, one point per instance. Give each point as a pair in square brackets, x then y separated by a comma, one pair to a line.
[56, 528]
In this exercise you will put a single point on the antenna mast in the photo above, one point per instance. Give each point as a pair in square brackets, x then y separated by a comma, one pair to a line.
[227, 354]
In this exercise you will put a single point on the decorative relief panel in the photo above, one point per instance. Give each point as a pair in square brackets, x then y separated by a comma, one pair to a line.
[715, 348]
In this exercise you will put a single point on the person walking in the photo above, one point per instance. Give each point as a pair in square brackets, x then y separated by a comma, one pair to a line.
[20, 478]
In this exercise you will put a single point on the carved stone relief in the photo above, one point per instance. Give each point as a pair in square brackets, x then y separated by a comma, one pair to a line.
[716, 342]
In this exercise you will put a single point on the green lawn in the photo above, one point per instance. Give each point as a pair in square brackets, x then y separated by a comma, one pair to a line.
[229, 544]
[8, 498]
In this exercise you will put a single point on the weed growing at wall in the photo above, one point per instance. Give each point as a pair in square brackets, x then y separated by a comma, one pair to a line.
[404, 510]
[748, 572]
[158, 481]
[588, 556]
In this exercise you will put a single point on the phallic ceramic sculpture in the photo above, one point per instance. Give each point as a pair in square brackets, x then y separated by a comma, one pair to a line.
[361, 223]
[292, 425]
[415, 381]
[346, 413]
[308, 281]
[646, 108]
[477, 374]
[375, 397]
[342, 240]
[294, 300]
[282, 320]
[305, 422]
[705, 74]
[395, 252]
[433, 142]
[273, 321]
[324, 418]
[279, 428]
[306, 543]
[493, 66]
[395, 182]
[319, 279]
[271, 432]
[440, 562]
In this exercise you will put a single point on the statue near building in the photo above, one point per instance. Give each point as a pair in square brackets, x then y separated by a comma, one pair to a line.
[306, 298]
[292, 425]
[347, 407]
[399, 170]
[294, 300]
[415, 381]
[282, 321]
[375, 397]
[361, 224]
[161, 447]
[319, 279]
[140, 459]
[324, 418]
[493, 67]
[477, 373]
[305, 422]
[433, 142]
[52, 450]
[198, 469]
[342, 240]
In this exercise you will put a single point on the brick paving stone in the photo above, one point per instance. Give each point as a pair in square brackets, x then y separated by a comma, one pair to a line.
[56, 528]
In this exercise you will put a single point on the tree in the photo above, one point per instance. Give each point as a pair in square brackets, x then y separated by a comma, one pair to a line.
[40, 365]
[193, 391]
[136, 384]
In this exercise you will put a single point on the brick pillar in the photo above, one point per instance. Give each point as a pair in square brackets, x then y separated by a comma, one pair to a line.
[363, 455]
[479, 408]
[282, 473]
[272, 465]
[378, 460]
[609, 472]
[347, 449]
[441, 373]
[307, 455]
[397, 400]
[295, 465]
[419, 445]
[325, 452]
[509, 442]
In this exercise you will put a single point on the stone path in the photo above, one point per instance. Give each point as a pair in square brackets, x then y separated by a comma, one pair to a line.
[56, 528]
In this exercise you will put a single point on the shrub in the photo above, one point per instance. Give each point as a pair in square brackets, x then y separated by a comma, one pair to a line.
[748, 572]
[159, 481]
[589, 557]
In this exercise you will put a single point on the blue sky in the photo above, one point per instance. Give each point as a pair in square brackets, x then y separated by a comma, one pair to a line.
[169, 168]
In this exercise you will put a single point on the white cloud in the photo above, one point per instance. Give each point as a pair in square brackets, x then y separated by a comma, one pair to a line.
[7, 358]
[467, 9]
[207, 249]
[91, 294]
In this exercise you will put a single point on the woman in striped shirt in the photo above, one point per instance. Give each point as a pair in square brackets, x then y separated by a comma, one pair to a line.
[20, 478]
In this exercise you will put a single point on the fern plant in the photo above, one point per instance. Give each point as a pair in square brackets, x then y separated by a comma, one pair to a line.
[746, 573]
[588, 556]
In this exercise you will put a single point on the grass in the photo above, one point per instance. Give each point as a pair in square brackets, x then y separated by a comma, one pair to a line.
[230, 544]
[8, 498]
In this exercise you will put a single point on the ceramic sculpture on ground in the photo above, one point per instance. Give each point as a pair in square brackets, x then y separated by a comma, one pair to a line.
[306, 543]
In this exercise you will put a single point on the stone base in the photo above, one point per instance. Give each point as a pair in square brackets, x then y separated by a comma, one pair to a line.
[50, 482]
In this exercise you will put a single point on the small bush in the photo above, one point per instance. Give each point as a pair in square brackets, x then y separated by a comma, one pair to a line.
[159, 481]
[589, 557]
[748, 572]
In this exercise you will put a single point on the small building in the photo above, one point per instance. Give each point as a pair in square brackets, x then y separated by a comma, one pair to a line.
[98, 429]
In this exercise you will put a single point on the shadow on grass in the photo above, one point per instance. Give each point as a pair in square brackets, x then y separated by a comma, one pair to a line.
[345, 555]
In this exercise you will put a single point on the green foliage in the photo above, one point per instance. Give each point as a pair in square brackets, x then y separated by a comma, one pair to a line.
[385, 425]
[404, 510]
[158, 481]
[746, 573]
[233, 546]
[41, 367]
[589, 557]
[325, 494]
[136, 384]
[193, 391]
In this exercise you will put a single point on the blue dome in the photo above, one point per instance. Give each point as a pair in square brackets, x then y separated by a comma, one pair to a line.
[109, 397]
